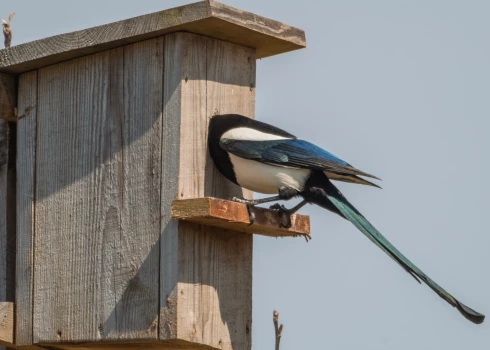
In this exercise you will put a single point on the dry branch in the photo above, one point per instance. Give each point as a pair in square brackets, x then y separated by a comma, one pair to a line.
[7, 30]
[278, 329]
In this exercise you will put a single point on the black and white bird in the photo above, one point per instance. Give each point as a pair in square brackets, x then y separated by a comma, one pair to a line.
[263, 158]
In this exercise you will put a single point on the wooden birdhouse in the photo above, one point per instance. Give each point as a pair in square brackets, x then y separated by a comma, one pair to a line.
[101, 131]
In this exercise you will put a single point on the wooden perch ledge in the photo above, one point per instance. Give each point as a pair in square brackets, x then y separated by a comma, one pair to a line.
[232, 215]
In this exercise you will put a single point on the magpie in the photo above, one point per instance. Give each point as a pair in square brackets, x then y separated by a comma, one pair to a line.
[263, 158]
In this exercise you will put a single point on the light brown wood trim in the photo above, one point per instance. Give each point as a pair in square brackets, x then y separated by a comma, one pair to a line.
[7, 323]
[232, 215]
[211, 19]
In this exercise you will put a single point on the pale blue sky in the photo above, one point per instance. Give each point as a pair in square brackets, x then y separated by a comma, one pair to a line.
[400, 89]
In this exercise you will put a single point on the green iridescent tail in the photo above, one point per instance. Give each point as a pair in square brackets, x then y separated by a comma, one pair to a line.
[356, 218]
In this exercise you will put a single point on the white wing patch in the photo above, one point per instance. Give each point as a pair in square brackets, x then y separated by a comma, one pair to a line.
[248, 134]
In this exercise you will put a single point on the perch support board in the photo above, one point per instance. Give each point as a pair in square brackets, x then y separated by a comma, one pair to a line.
[232, 215]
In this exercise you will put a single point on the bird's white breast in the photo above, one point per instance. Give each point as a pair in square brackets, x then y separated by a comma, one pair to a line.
[265, 178]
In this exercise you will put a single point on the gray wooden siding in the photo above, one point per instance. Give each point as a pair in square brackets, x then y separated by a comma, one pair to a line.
[211, 277]
[112, 138]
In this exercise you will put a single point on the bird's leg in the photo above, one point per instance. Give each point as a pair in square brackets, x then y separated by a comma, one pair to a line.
[285, 193]
[253, 202]
[286, 213]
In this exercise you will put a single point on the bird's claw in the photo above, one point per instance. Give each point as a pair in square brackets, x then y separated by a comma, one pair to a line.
[284, 213]
[251, 214]
[249, 202]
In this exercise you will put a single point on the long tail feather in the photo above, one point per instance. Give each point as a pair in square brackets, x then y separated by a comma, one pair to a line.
[349, 178]
[356, 218]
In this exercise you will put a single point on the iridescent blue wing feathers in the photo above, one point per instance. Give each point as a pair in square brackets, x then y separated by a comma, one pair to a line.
[296, 154]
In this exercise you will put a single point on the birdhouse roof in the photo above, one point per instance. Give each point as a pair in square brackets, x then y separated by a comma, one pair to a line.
[208, 18]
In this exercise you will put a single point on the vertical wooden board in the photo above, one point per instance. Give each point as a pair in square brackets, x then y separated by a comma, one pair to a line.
[214, 290]
[214, 268]
[7, 104]
[184, 110]
[110, 200]
[98, 196]
[137, 308]
[77, 201]
[26, 153]
[193, 121]
[230, 89]
[173, 50]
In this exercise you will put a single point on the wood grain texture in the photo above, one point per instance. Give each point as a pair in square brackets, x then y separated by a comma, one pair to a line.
[234, 216]
[7, 232]
[98, 195]
[206, 18]
[70, 220]
[206, 295]
[129, 345]
[216, 287]
[230, 88]
[115, 137]
[26, 152]
[172, 98]
[138, 305]
[7, 323]
[7, 189]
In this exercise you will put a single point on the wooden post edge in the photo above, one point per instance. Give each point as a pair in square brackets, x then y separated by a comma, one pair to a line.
[7, 310]
[232, 215]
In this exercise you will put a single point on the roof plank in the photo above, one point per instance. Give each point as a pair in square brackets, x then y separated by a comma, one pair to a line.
[211, 19]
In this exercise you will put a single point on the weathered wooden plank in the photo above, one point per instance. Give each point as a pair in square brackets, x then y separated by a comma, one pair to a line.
[234, 216]
[73, 147]
[208, 18]
[26, 153]
[214, 289]
[172, 96]
[7, 232]
[7, 189]
[110, 200]
[137, 306]
[98, 195]
[231, 89]
[251, 29]
[7, 323]
[226, 260]
[129, 345]
[206, 286]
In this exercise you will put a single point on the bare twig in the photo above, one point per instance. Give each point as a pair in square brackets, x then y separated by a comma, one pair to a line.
[7, 30]
[278, 329]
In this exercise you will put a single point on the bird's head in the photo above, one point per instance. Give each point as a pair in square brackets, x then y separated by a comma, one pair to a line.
[219, 124]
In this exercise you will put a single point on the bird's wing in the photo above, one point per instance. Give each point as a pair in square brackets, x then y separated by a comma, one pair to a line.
[356, 218]
[293, 153]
